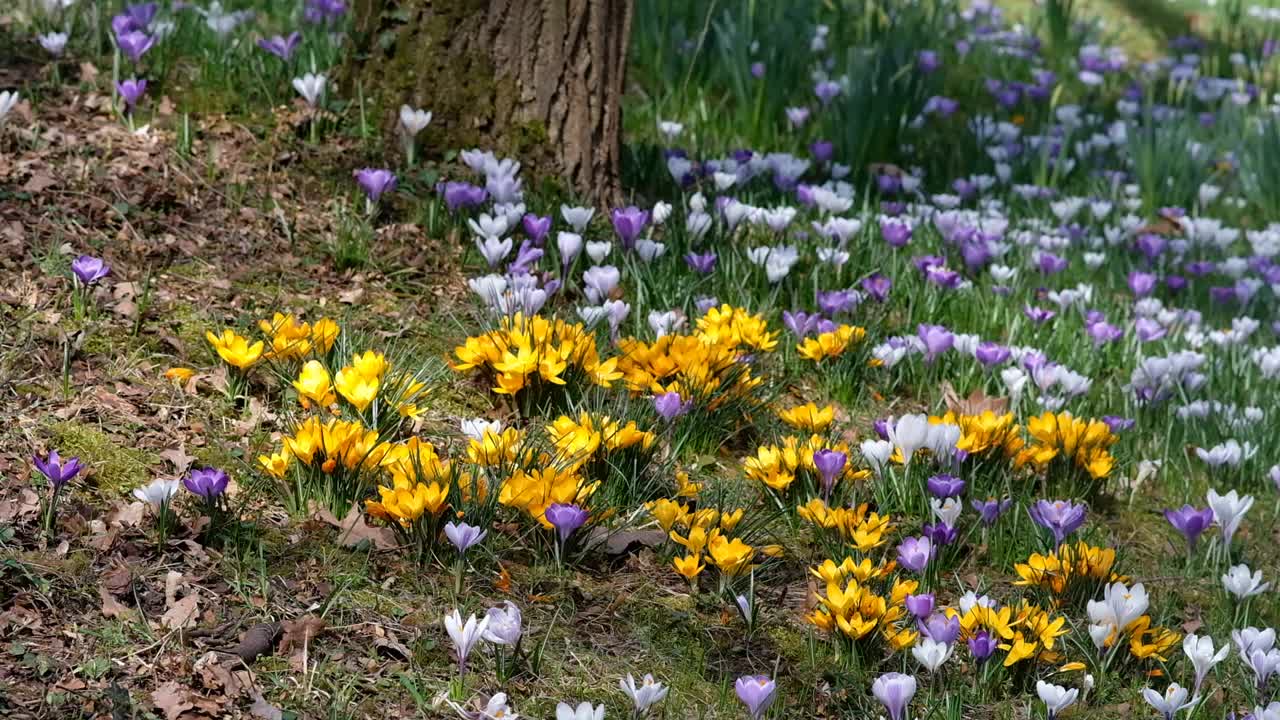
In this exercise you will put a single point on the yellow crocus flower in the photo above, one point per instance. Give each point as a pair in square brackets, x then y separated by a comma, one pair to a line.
[234, 349]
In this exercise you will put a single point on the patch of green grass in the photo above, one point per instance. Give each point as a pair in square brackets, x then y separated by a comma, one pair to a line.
[117, 465]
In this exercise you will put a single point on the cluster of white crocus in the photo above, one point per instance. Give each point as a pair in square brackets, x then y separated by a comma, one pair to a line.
[1119, 606]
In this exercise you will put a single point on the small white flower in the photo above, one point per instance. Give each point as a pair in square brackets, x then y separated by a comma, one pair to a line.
[1200, 651]
[1228, 511]
[414, 121]
[54, 43]
[645, 695]
[8, 99]
[1056, 698]
[157, 493]
[584, 711]
[930, 653]
[311, 87]
[577, 217]
[464, 636]
[1171, 702]
[475, 428]
[1240, 581]
[598, 250]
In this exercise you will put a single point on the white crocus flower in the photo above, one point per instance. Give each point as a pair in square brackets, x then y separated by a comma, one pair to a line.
[1240, 581]
[414, 121]
[157, 493]
[465, 636]
[909, 433]
[584, 711]
[1171, 702]
[475, 428]
[1056, 698]
[311, 87]
[577, 217]
[1199, 650]
[931, 654]
[8, 99]
[1228, 511]
[645, 695]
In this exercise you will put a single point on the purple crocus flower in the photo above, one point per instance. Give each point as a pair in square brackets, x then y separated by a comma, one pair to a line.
[757, 70]
[834, 302]
[671, 406]
[57, 471]
[1050, 264]
[920, 606]
[1191, 522]
[142, 13]
[565, 518]
[937, 340]
[458, 195]
[830, 464]
[463, 536]
[89, 270]
[876, 286]
[822, 151]
[894, 691]
[1151, 245]
[704, 264]
[757, 692]
[628, 223]
[888, 184]
[800, 323]
[914, 553]
[945, 486]
[135, 44]
[940, 533]
[1060, 517]
[207, 483]
[526, 257]
[1103, 333]
[1038, 315]
[1117, 424]
[536, 228]
[927, 61]
[826, 91]
[375, 182]
[941, 628]
[1149, 330]
[131, 91]
[991, 354]
[896, 233]
[982, 645]
[990, 510]
[1142, 284]
[281, 46]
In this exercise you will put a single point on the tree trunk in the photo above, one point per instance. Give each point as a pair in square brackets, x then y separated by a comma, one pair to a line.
[539, 80]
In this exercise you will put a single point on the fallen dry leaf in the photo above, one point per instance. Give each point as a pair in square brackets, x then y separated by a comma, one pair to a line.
[179, 457]
[110, 606]
[354, 530]
[263, 709]
[182, 614]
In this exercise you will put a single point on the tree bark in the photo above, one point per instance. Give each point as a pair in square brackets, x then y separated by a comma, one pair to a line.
[540, 80]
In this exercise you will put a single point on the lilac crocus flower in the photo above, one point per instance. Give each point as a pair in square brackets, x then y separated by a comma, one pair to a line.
[142, 13]
[757, 70]
[914, 553]
[1118, 424]
[940, 533]
[876, 286]
[89, 270]
[1191, 522]
[834, 302]
[826, 91]
[800, 323]
[282, 46]
[57, 471]
[1149, 330]
[830, 464]
[458, 195]
[991, 354]
[920, 606]
[704, 264]
[937, 340]
[207, 483]
[135, 44]
[896, 233]
[928, 61]
[536, 228]
[982, 645]
[894, 691]
[797, 116]
[945, 486]
[628, 223]
[131, 91]
[757, 692]
[1038, 315]
[671, 406]
[1060, 517]
[565, 518]
[463, 536]
[1050, 264]
[1142, 284]
[375, 182]
[822, 151]
[990, 510]
[1103, 333]
[941, 628]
